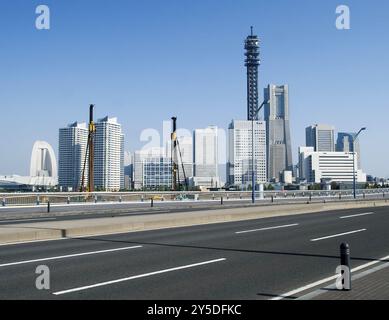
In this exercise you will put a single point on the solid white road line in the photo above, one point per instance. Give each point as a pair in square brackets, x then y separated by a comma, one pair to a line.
[357, 215]
[317, 283]
[270, 228]
[338, 235]
[138, 276]
[34, 219]
[67, 256]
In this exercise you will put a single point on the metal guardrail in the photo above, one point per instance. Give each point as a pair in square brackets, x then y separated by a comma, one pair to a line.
[30, 199]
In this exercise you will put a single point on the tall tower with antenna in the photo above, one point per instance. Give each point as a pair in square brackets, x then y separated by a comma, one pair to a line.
[252, 63]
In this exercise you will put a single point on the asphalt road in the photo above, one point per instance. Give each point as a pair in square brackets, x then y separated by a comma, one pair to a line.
[257, 259]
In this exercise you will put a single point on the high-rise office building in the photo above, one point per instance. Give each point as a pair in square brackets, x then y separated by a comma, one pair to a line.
[128, 170]
[206, 163]
[72, 150]
[239, 166]
[321, 137]
[109, 155]
[345, 143]
[279, 148]
[252, 63]
[205, 143]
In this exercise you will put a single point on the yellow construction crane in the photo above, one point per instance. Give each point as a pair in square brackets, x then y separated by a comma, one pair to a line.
[89, 155]
[175, 145]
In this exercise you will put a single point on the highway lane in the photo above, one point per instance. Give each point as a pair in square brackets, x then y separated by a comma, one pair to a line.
[214, 261]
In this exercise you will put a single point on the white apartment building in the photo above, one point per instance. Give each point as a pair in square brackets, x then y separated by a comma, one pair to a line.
[109, 155]
[72, 150]
[334, 166]
[239, 166]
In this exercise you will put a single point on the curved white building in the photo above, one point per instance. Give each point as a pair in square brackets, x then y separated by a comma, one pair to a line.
[43, 160]
[43, 171]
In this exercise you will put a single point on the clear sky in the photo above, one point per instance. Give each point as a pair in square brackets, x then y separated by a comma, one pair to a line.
[145, 61]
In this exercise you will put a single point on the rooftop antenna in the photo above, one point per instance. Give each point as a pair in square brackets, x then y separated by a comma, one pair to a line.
[251, 30]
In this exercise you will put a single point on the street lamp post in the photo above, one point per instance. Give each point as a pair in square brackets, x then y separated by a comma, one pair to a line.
[354, 173]
[252, 162]
[253, 182]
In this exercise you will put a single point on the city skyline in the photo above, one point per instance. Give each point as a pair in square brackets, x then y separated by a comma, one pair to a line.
[228, 95]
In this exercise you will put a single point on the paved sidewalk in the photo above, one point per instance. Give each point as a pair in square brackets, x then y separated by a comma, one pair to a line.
[372, 284]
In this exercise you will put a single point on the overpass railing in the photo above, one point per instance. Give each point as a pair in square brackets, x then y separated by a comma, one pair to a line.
[37, 199]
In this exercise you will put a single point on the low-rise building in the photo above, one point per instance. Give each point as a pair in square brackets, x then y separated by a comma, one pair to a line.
[334, 166]
[152, 169]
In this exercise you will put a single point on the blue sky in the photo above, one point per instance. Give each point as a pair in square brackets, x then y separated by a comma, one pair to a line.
[144, 61]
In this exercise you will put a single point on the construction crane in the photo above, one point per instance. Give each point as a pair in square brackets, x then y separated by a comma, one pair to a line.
[89, 155]
[175, 145]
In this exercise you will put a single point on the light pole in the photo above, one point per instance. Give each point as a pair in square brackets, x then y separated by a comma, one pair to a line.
[354, 173]
[254, 116]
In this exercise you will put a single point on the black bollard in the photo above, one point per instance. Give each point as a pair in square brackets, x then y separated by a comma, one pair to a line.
[48, 206]
[152, 202]
[345, 261]
[221, 201]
